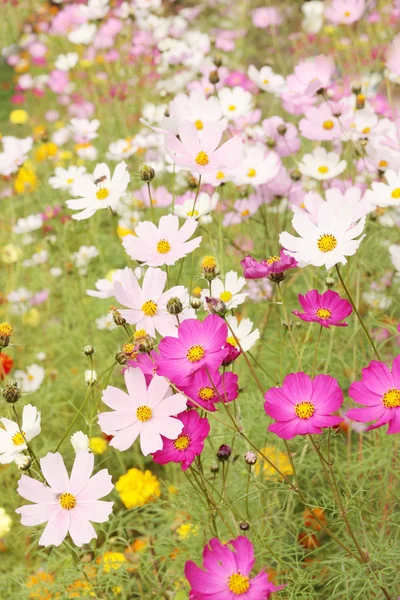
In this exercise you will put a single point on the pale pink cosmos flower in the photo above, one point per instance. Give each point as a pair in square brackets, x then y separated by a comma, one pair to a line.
[311, 75]
[320, 124]
[142, 412]
[147, 305]
[202, 155]
[266, 16]
[163, 245]
[67, 504]
[393, 56]
[345, 12]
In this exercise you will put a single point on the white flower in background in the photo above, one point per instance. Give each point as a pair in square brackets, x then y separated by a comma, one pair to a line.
[321, 164]
[228, 291]
[313, 16]
[19, 300]
[243, 331]
[326, 242]
[121, 149]
[235, 102]
[196, 108]
[394, 251]
[376, 299]
[205, 204]
[104, 192]
[83, 256]
[84, 129]
[55, 272]
[41, 356]
[61, 136]
[83, 34]
[15, 152]
[94, 9]
[90, 376]
[65, 62]
[39, 258]
[12, 441]
[5, 522]
[267, 80]
[31, 379]
[64, 179]
[80, 441]
[153, 113]
[105, 287]
[385, 194]
[106, 322]
[257, 167]
[28, 224]
[86, 151]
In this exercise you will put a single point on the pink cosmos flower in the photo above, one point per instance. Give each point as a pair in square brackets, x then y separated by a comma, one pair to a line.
[284, 135]
[199, 344]
[147, 305]
[379, 392]
[326, 309]
[142, 412]
[266, 17]
[272, 267]
[58, 81]
[162, 245]
[393, 56]
[188, 444]
[202, 155]
[206, 390]
[227, 573]
[320, 124]
[345, 11]
[67, 504]
[303, 405]
[311, 75]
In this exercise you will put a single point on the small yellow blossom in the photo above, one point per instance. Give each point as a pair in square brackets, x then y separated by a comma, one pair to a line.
[31, 318]
[10, 254]
[19, 116]
[98, 445]
[45, 151]
[187, 530]
[280, 459]
[26, 180]
[111, 561]
[5, 519]
[137, 488]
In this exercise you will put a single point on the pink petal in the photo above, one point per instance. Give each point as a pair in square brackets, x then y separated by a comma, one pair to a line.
[126, 437]
[35, 491]
[158, 388]
[172, 405]
[169, 427]
[150, 441]
[55, 473]
[36, 514]
[98, 486]
[98, 512]
[111, 422]
[298, 387]
[244, 554]
[81, 471]
[116, 398]
[80, 529]
[56, 529]
[135, 383]
[377, 377]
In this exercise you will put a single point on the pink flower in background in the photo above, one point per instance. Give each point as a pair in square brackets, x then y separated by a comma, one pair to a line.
[227, 573]
[207, 390]
[188, 444]
[271, 267]
[311, 75]
[303, 405]
[320, 124]
[58, 81]
[393, 56]
[285, 135]
[345, 12]
[143, 412]
[266, 17]
[67, 504]
[379, 393]
[326, 309]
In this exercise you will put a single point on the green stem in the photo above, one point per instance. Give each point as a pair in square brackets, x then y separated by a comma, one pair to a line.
[316, 352]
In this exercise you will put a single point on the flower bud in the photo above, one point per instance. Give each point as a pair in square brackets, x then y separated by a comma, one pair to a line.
[218, 61]
[11, 392]
[146, 173]
[295, 175]
[88, 350]
[118, 318]
[214, 77]
[129, 350]
[329, 282]
[144, 341]
[80, 441]
[209, 267]
[281, 129]
[174, 306]
[271, 143]
[215, 306]
[195, 303]
[224, 452]
[360, 101]
[23, 462]
[192, 182]
[244, 526]
[214, 468]
[5, 334]
[356, 87]
[121, 358]
[250, 458]
[90, 377]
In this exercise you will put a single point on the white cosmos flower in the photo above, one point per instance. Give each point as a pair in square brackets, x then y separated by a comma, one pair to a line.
[65, 62]
[394, 251]
[326, 242]
[105, 287]
[80, 441]
[95, 9]
[267, 80]
[257, 167]
[83, 128]
[385, 194]
[235, 102]
[205, 204]
[228, 291]
[121, 149]
[83, 34]
[28, 224]
[313, 16]
[15, 151]
[12, 442]
[106, 322]
[321, 164]
[64, 179]
[242, 331]
[196, 108]
[31, 379]
[103, 194]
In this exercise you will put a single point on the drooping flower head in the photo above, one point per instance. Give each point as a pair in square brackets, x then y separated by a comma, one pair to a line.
[303, 405]
[326, 309]
[379, 393]
[207, 389]
[272, 267]
[227, 573]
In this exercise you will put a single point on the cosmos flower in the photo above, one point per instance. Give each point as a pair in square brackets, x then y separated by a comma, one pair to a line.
[270, 267]
[311, 75]
[385, 194]
[207, 389]
[31, 379]
[229, 291]
[326, 309]
[235, 102]
[257, 167]
[345, 12]
[12, 441]
[321, 164]
[303, 405]
[67, 504]
[266, 79]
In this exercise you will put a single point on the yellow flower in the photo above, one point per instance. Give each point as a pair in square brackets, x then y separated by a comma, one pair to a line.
[5, 519]
[26, 180]
[123, 231]
[45, 151]
[111, 561]
[80, 589]
[31, 318]
[280, 459]
[10, 254]
[137, 488]
[18, 117]
[98, 445]
[38, 584]
[187, 530]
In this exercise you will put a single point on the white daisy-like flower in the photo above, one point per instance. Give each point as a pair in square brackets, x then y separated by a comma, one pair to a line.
[84, 129]
[243, 331]
[31, 379]
[83, 34]
[104, 192]
[84, 255]
[121, 149]
[64, 179]
[321, 164]
[267, 80]
[196, 108]
[385, 194]
[327, 241]
[205, 204]
[228, 291]
[394, 251]
[257, 167]
[235, 102]
[106, 322]
[65, 62]
[28, 224]
[12, 441]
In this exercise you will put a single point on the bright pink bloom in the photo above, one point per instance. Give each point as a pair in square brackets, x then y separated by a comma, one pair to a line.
[272, 267]
[199, 344]
[379, 392]
[345, 11]
[188, 444]
[67, 504]
[227, 573]
[326, 309]
[206, 394]
[303, 405]
[311, 75]
[145, 412]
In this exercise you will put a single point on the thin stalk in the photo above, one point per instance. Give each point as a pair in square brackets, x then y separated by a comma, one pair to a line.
[316, 352]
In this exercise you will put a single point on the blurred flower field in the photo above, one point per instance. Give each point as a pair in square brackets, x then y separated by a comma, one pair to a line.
[199, 301]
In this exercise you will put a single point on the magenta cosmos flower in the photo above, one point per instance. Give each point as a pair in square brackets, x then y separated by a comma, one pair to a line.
[188, 444]
[303, 405]
[142, 412]
[206, 394]
[379, 392]
[227, 573]
[199, 344]
[272, 267]
[326, 309]
[67, 504]
[202, 155]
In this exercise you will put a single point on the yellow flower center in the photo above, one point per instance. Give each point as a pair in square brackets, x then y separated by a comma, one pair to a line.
[206, 393]
[304, 410]
[5, 329]
[383, 164]
[323, 169]
[245, 212]
[199, 124]
[139, 334]
[396, 193]
[128, 349]
[70, 180]
[231, 340]
[392, 398]
[366, 130]
[238, 584]
[347, 13]
[67, 501]
[251, 173]
[327, 242]
[144, 413]
[149, 308]
[328, 125]
[102, 194]
[231, 107]
[182, 442]
[208, 263]
[202, 159]
[163, 247]
[220, 175]
[323, 313]
[225, 296]
[273, 259]
[192, 213]
[18, 438]
[195, 353]
[265, 81]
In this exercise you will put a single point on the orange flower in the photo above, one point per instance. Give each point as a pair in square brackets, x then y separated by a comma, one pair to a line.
[311, 521]
[308, 540]
[6, 364]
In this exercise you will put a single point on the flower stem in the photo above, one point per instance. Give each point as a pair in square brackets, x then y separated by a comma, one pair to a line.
[316, 352]
[289, 327]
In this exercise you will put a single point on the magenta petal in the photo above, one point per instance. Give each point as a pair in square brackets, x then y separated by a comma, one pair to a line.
[377, 377]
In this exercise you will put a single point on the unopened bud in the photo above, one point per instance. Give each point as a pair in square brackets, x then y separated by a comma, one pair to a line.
[295, 175]
[23, 462]
[356, 87]
[192, 182]
[209, 267]
[216, 306]
[88, 350]
[250, 458]
[224, 452]
[121, 358]
[174, 306]
[214, 468]
[281, 129]
[146, 173]
[80, 441]
[195, 303]
[214, 77]
[11, 392]
[144, 341]
[244, 526]
[329, 282]
[5, 334]
[90, 377]
[118, 318]
[218, 61]
[360, 101]
[271, 143]
[276, 277]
